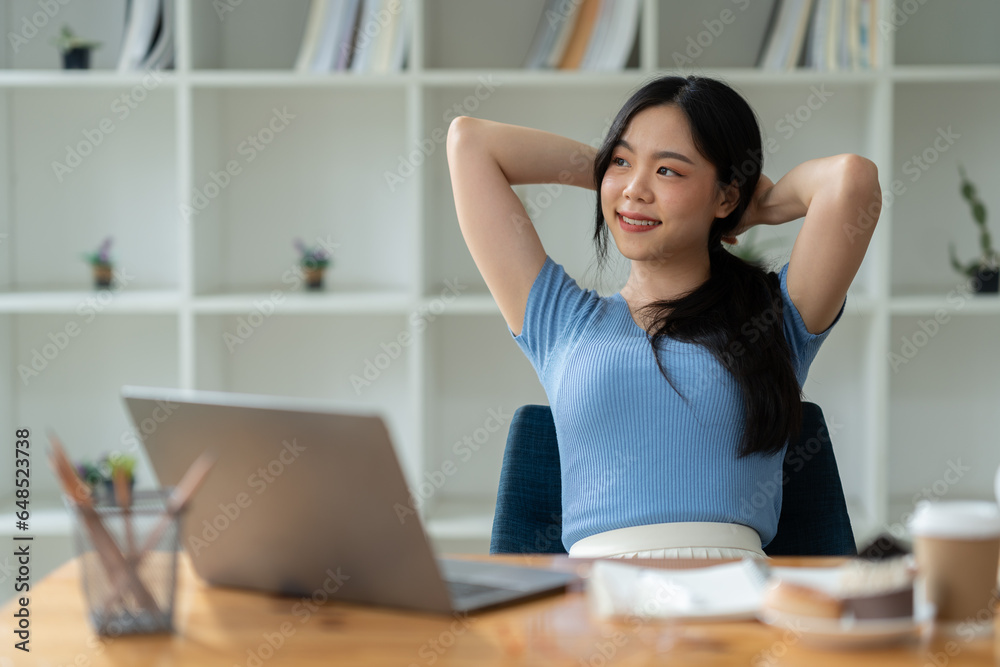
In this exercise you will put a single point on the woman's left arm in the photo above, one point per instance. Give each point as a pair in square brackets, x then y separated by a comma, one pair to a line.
[841, 199]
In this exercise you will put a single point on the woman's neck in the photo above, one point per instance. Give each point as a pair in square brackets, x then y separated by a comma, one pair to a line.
[659, 280]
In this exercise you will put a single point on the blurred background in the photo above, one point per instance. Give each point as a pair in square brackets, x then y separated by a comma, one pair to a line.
[215, 154]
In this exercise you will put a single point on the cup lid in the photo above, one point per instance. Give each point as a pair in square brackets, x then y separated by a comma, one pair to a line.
[956, 518]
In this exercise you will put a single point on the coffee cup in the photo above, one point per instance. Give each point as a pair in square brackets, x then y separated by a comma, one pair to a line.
[956, 545]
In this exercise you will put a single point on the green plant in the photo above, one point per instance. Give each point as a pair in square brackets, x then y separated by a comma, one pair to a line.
[67, 41]
[101, 256]
[102, 471]
[124, 462]
[312, 257]
[988, 256]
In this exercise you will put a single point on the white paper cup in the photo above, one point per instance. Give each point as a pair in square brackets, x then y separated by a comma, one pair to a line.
[957, 548]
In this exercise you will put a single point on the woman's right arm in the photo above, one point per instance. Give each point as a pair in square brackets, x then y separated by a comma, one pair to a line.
[485, 159]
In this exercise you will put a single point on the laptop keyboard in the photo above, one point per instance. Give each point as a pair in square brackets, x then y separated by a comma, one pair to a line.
[464, 589]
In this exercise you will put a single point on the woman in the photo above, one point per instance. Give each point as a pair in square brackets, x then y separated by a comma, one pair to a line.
[673, 399]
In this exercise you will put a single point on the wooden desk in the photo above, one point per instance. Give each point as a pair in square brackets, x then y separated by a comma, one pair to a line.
[229, 627]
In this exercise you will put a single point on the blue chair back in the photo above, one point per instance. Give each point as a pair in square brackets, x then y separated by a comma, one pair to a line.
[813, 521]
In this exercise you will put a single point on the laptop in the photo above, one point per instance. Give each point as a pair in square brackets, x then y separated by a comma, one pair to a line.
[307, 498]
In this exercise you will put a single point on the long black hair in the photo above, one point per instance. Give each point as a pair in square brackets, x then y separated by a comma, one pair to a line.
[737, 313]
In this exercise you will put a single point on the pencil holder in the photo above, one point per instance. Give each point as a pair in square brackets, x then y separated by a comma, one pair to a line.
[130, 591]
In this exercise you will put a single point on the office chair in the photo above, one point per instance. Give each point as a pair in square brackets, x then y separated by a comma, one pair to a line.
[528, 519]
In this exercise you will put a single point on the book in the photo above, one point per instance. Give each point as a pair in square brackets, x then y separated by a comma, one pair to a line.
[555, 25]
[325, 56]
[543, 37]
[161, 54]
[780, 19]
[345, 35]
[800, 26]
[784, 41]
[599, 36]
[765, 42]
[833, 34]
[865, 26]
[843, 39]
[315, 23]
[853, 34]
[140, 26]
[582, 30]
[400, 46]
[364, 42]
[819, 30]
[385, 39]
[565, 19]
[621, 36]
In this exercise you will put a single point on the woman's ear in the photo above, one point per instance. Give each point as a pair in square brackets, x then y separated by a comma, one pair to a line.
[728, 198]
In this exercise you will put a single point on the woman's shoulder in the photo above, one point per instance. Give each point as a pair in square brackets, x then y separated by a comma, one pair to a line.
[557, 300]
[793, 317]
[555, 279]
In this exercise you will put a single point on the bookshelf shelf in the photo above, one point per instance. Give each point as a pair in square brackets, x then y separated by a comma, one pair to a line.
[290, 79]
[84, 79]
[946, 73]
[954, 303]
[362, 164]
[284, 302]
[76, 301]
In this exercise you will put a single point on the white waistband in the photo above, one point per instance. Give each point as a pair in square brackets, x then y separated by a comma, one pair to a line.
[667, 536]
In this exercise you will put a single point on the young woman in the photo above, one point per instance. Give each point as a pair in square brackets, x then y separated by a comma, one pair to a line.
[673, 399]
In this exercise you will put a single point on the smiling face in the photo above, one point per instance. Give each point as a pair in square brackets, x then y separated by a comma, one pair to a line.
[657, 175]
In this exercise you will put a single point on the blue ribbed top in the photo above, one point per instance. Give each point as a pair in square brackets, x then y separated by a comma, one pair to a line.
[632, 452]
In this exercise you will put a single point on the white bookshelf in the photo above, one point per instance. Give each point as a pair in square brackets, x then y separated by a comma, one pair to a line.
[323, 175]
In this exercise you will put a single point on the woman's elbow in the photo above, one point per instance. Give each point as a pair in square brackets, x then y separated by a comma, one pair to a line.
[859, 178]
[461, 131]
[858, 172]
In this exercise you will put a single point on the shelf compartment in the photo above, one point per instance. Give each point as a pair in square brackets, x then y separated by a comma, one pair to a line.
[475, 396]
[931, 137]
[251, 34]
[718, 33]
[62, 182]
[460, 34]
[271, 165]
[30, 27]
[463, 518]
[941, 407]
[355, 360]
[954, 33]
[66, 373]
[838, 382]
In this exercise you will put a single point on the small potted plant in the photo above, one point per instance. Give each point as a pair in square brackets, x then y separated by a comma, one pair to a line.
[75, 51]
[985, 270]
[313, 262]
[100, 475]
[100, 261]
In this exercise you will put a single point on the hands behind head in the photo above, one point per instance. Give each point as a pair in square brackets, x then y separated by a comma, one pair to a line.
[753, 214]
